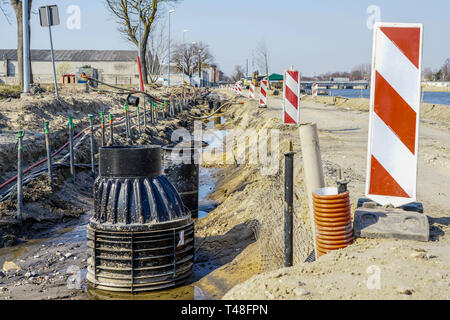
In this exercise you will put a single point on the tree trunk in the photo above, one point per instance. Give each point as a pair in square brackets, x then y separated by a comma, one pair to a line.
[144, 65]
[18, 11]
[143, 49]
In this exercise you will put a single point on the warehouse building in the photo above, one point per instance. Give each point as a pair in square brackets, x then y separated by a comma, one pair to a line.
[113, 66]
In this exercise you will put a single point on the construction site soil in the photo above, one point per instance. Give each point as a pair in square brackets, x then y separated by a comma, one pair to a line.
[239, 244]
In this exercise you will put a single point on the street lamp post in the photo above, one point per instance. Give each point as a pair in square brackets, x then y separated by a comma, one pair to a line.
[26, 49]
[184, 48]
[168, 64]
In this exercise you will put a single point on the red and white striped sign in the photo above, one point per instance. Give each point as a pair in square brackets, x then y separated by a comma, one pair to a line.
[239, 89]
[251, 93]
[394, 113]
[291, 96]
[315, 90]
[263, 93]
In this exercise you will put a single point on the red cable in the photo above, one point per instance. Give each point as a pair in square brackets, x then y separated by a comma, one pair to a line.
[38, 163]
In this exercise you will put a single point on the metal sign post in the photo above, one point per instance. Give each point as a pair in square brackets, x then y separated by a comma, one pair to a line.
[49, 17]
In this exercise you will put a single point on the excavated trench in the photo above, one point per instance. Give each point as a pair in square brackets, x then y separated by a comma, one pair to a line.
[53, 251]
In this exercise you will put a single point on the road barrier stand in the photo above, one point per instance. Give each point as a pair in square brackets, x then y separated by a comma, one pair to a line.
[49, 154]
[291, 97]
[315, 90]
[263, 94]
[391, 176]
[251, 93]
[72, 158]
[19, 175]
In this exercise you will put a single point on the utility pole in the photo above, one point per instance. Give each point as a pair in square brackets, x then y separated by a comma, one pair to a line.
[140, 37]
[168, 63]
[247, 69]
[26, 48]
[184, 48]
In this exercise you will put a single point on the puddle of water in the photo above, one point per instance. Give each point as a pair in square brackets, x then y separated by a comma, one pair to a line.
[53, 236]
[207, 181]
[207, 184]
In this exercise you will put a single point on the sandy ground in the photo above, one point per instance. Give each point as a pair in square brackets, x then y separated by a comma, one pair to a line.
[408, 269]
[437, 89]
[239, 244]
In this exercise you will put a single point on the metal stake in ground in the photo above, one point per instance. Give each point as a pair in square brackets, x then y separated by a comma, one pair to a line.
[138, 111]
[145, 114]
[111, 120]
[127, 121]
[72, 161]
[152, 109]
[91, 128]
[49, 154]
[102, 121]
[288, 206]
[155, 112]
[19, 175]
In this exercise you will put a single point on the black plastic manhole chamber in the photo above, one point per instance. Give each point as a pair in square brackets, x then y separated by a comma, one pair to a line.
[141, 237]
[181, 167]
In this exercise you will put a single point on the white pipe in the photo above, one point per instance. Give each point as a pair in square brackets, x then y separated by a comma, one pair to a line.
[313, 170]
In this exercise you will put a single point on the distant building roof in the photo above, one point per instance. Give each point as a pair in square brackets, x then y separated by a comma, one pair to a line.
[276, 77]
[74, 55]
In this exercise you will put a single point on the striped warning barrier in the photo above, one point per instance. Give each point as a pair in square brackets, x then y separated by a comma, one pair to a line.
[291, 96]
[394, 113]
[263, 94]
[251, 93]
[239, 90]
[315, 90]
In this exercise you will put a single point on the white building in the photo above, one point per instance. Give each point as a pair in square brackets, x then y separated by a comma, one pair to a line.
[114, 66]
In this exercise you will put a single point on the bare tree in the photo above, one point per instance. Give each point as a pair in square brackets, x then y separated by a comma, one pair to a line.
[361, 72]
[157, 52]
[202, 56]
[125, 12]
[184, 56]
[262, 59]
[445, 71]
[427, 74]
[238, 73]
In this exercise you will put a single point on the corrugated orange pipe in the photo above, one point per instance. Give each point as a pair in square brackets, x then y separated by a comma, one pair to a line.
[332, 219]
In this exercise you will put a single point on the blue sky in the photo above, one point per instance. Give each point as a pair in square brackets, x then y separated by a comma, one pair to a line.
[314, 36]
